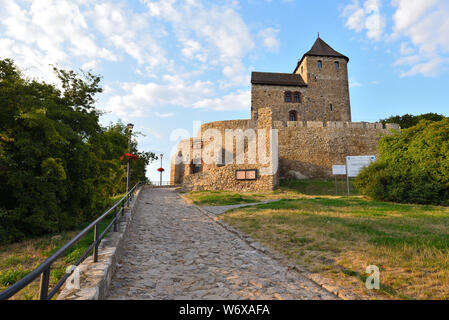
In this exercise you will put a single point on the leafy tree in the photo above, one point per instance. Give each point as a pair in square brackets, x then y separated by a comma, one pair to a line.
[58, 165]
[407, 120]
[413, 166]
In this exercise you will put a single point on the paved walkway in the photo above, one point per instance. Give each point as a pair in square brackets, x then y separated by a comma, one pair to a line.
[175, 251]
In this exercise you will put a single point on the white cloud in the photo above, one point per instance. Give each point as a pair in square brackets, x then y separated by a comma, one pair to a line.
[405, 49]
[152, 132]
[367, 18]
[422, 26]
[174, 92]
[426, 24]
[270, 40]
[354, 84]
[64, 33]
[233, 101]
[129, 32]
[164, 115]
[213, 34]
[141, 97]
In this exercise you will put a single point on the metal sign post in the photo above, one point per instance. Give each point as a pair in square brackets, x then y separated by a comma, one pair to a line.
[338, 170]
[347, 181]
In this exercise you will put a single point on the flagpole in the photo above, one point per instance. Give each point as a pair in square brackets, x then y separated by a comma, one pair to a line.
[130, 130]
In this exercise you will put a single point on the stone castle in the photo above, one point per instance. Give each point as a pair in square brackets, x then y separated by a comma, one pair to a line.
[309, 112]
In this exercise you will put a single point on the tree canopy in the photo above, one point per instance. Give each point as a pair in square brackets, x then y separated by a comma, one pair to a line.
[58, 165]
[408, 120]
[413, 166]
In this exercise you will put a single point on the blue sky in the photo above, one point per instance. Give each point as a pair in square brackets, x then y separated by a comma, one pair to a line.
[166, 64]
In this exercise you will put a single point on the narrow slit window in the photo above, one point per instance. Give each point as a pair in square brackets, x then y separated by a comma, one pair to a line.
[337, 65]
[331, 107]
[320, 64]
[293, 116]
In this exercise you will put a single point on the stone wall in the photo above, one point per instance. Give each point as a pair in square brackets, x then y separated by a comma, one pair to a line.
[223, 176]
[308, 150]
[269, 96]
[326, 86]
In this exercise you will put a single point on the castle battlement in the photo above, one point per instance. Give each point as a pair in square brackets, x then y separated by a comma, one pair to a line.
[334, 124]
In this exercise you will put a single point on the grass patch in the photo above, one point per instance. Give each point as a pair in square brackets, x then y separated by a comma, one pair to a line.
[318, 187]
[19, 259]
[289, 189]
[338, 237]
[222, 198]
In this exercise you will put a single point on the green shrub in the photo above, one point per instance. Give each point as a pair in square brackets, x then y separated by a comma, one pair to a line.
[413, 166]
[11, 276]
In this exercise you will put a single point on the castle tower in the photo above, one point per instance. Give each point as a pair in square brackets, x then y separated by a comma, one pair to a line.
[325, 72]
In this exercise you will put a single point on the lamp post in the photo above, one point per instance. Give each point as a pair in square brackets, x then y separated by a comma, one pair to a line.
[130, 130]
[161, 167]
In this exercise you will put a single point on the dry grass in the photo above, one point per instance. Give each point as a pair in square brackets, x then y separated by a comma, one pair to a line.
[339, 237]
[18, 259]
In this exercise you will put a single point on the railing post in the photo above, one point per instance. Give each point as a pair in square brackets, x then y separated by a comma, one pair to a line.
[45, 280]
[96, 244]
[116, 219]
[123, 208]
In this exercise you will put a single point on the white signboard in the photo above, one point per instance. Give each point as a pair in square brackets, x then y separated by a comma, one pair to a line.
[338, 170]
[356, 163]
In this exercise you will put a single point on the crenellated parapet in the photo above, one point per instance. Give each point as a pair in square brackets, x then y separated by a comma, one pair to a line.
[335, 124]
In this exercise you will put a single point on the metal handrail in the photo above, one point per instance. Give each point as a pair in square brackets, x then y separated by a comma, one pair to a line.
[43, 269]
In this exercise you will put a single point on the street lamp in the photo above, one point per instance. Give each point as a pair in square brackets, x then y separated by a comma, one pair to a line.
[130, 127]
[161, 168]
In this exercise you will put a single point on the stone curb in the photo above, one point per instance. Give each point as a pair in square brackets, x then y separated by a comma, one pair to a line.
[320, 281]
[95, 278]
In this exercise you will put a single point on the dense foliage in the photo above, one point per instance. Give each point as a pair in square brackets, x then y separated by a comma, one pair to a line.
[407, 120]
[58, 165]
[413, 166]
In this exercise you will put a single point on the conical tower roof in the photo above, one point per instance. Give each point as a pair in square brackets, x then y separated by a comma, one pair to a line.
[321, 48]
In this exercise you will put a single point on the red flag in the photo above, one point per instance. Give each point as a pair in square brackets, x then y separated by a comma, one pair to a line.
[129, 156]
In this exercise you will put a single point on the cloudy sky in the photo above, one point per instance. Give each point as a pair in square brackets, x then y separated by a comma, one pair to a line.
[168, 65]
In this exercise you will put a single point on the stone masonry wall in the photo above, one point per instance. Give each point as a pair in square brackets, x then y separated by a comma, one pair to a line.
[326, 86]
[223, 177]
[268, 96]
[309, 150]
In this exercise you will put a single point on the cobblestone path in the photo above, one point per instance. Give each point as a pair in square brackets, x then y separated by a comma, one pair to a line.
[174, 251]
